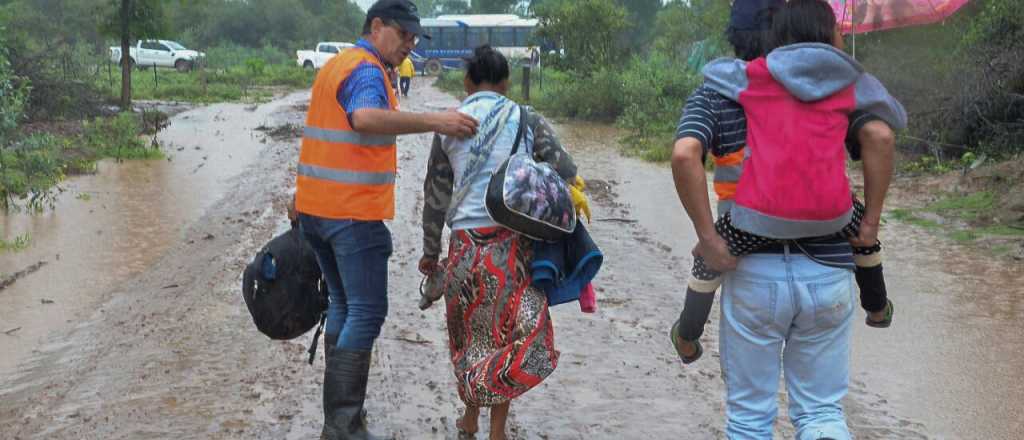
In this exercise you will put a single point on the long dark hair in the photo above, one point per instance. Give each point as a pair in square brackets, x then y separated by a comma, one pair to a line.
[487, 65]
[802, 21]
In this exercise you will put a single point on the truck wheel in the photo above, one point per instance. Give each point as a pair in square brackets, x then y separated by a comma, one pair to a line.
[307, 65]
[183, 66]
[433, 67]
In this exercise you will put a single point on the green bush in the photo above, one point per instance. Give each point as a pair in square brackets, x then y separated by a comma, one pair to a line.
[655, 90]
[31, 168]
[228, 55]
[117, 137]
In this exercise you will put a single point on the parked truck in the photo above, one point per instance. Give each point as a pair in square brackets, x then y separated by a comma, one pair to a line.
[315, 59]
[159, 53]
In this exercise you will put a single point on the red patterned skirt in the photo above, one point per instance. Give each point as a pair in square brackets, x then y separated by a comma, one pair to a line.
[499, 330]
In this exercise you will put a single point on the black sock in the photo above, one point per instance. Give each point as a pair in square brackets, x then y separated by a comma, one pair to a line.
[873, 296]
[695, 314]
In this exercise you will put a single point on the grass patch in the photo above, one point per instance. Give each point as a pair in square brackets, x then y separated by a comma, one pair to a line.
[33, 166]
[247, 82]
[970, 207]
[18, 243]
[909, 217]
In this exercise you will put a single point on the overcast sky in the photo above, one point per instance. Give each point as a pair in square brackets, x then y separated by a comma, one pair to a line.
[365, 4]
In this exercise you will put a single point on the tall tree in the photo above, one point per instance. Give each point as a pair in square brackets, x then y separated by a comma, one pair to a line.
[641, 17]
[493, 6]
[132, 18]
[588, 31]
[453, 7]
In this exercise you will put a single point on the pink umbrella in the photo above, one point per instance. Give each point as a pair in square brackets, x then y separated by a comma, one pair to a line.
[859, 16]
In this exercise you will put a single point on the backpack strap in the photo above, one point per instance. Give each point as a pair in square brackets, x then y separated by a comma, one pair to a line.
[520, 131]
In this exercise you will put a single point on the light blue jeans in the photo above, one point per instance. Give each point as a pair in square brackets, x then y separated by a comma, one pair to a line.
[786, 313]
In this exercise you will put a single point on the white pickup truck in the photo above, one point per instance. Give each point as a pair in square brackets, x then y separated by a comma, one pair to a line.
[315, 59]
[159, 53]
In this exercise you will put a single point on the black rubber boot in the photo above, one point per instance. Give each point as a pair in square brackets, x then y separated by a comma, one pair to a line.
[329, 343]
[344, 393]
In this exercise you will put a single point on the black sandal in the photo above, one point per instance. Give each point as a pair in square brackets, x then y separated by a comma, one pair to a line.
[885, 322]
[675, 343]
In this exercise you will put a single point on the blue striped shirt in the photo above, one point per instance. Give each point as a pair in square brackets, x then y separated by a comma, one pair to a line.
[365, 87]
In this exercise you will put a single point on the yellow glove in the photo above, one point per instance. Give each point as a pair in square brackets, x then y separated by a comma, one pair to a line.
[579, 200]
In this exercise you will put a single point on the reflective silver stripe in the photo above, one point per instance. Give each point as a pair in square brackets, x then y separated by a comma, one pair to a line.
[348, 137]
[728, 173]
[345, 176]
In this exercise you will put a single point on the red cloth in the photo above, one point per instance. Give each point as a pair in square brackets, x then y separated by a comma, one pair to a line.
[588, 299]
[797, 168]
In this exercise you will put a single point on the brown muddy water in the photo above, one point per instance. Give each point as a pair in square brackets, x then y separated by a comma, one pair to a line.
[113, 224]
[147, 336]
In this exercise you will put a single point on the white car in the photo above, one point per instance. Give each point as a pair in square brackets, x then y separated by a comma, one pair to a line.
[315, 59]
[159, 53]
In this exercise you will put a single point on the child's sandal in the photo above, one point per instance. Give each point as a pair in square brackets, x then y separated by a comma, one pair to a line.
[885, 322]
[676, 341]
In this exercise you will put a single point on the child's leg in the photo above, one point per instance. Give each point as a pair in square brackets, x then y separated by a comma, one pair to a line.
[873, 296]
[700, 290]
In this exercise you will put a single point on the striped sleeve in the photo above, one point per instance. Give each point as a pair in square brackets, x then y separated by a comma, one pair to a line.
[699, 120]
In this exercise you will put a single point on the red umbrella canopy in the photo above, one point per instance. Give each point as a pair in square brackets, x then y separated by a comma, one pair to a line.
[874, 15]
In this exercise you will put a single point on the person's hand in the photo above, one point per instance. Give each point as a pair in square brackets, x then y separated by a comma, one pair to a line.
[454, 123]
[428, 265]
[715, 252]
[868, 235]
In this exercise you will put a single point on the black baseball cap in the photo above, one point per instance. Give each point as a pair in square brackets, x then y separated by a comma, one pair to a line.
[752, 15]
[402, 12]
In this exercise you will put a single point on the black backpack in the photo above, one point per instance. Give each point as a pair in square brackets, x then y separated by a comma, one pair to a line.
[284, 289]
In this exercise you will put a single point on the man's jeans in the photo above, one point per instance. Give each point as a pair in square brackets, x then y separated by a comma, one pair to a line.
[786, 305]
[353, 256]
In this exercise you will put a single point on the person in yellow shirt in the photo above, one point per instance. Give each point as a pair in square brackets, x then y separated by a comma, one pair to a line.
[405, 73]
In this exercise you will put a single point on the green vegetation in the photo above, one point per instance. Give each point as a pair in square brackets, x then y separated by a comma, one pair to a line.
[970, 208]
[18, 243]
[254, 80]
[35, 164]
[974, 214]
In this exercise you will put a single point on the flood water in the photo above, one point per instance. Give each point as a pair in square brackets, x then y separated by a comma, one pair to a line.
[112, 224]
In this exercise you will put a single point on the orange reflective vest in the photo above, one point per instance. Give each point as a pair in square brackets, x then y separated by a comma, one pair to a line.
[344, 174]
[727, 174]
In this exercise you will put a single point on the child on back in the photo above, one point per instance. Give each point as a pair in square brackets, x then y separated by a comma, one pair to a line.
[793, 189]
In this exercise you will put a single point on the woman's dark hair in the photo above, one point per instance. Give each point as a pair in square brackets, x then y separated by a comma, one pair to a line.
[802, 21]
[748, 37]
[746, 44]
[486, 65]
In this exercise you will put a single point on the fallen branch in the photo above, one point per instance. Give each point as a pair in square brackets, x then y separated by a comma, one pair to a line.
[11, 331]
[616, 219]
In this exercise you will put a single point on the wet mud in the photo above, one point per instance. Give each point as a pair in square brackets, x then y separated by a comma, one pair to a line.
[156, 342]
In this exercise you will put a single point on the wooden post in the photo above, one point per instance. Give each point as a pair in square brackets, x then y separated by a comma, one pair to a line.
[156, 81]
[526, 83]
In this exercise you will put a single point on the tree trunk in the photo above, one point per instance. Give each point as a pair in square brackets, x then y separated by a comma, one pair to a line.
[126, 64]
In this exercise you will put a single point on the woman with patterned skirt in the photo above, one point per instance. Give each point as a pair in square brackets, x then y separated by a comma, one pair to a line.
[500, 333]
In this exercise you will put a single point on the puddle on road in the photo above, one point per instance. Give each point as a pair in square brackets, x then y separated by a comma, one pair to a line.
[113, 224]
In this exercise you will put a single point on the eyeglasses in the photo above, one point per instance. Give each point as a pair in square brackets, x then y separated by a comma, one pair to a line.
[406, 36]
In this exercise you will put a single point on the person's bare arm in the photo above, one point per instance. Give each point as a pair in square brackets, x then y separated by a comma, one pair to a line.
[877, 143]
[380, 121]
[692, 187]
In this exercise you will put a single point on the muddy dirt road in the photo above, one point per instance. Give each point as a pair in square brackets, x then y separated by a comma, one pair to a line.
[156, 343]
